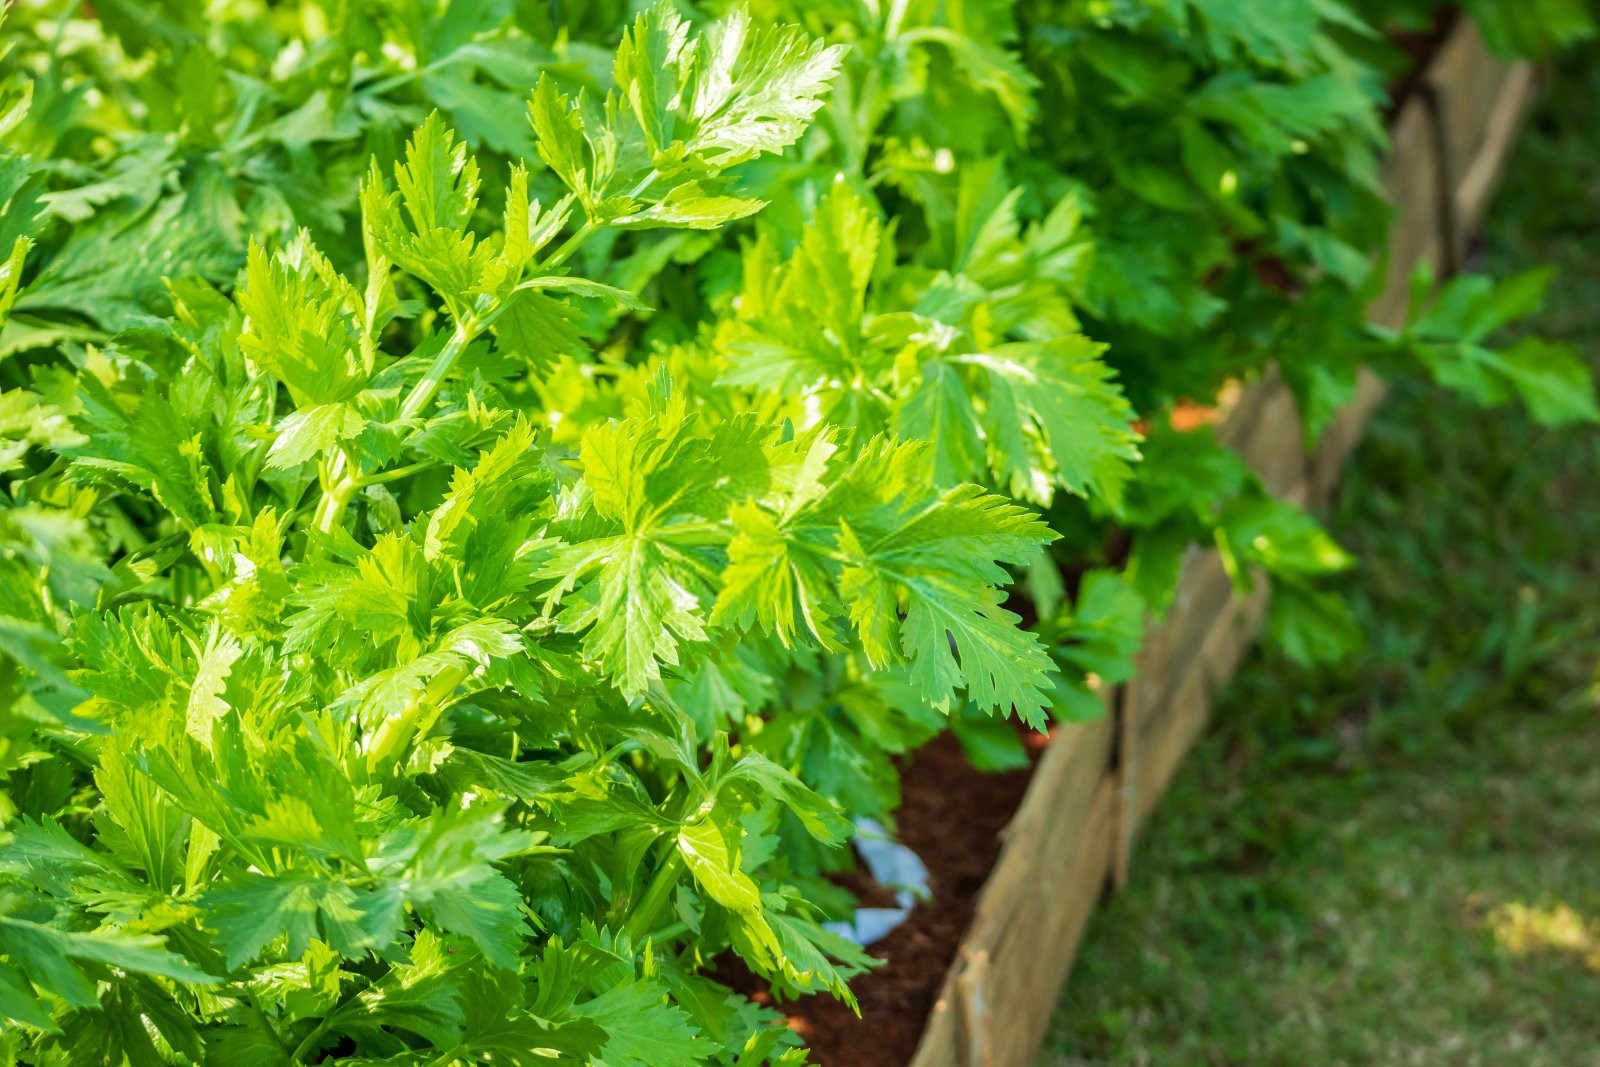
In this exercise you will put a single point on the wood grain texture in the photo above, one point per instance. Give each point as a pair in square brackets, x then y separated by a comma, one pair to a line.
[1479, 174]
[1469, 85]
[996, 1000]
[1489, 126]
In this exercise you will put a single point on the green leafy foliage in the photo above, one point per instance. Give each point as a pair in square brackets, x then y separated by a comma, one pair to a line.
[1449, 337]
[489, 493]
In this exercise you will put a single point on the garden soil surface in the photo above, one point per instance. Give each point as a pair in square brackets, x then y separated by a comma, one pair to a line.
[952, 817]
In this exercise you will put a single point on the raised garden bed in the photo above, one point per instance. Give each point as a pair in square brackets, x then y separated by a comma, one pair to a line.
[1095, 783]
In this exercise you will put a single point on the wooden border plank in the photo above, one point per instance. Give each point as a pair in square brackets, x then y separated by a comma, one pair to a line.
[1478, 177]
[995, 1003]
[1468, 84]
[1458, 86]
[1098, 781]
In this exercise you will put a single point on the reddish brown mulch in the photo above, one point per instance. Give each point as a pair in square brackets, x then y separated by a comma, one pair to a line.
[952, 817]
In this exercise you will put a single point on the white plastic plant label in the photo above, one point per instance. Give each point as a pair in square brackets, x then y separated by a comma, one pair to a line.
[893, 866]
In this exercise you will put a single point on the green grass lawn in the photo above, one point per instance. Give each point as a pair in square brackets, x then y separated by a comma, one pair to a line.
[1398, 861]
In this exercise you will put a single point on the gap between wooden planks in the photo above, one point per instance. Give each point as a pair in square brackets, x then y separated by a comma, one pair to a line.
[1098, 781]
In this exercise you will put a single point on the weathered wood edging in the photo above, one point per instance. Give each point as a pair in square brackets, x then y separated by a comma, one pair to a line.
[1098, 781]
